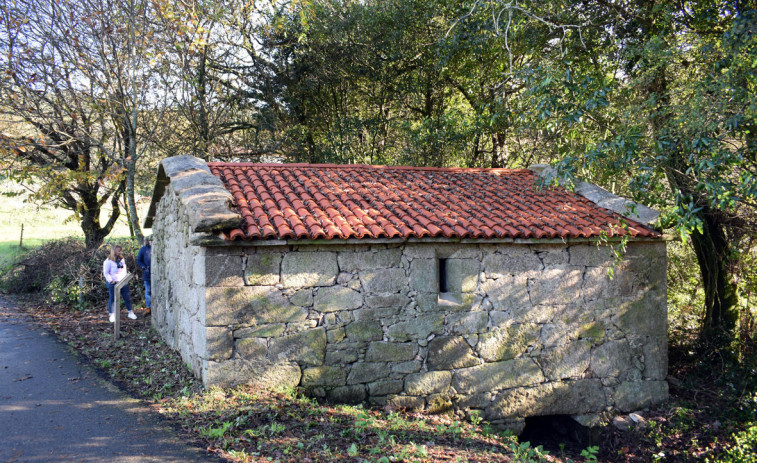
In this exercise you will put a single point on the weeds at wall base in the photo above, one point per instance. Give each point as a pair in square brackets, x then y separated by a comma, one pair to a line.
[288, 426]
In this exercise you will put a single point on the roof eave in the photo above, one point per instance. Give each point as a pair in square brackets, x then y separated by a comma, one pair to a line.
[217, 239]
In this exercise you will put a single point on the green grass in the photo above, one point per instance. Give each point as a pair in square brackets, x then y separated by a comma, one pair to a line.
[40, 223]
[10, 252]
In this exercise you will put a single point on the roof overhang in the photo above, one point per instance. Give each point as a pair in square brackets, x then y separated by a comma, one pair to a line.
[217, 240]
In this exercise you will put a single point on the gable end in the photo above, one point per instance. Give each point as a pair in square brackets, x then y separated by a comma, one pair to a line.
[207, 202]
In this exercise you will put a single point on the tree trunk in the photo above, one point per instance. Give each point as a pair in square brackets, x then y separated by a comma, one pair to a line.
[499, 150]
[128, 218]
[203, 124]
[90, 208]
[711, 244]
[131, 159]
[131, 203]
[720, 297]
[94, 233]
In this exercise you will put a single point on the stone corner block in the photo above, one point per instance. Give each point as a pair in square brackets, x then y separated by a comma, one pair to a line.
[633, 395]
[262, 269]
[261, 374]
[219, 343]
[223, 271]
[249, 305]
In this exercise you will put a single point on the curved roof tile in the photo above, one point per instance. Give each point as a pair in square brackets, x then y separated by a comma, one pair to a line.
[325, 201]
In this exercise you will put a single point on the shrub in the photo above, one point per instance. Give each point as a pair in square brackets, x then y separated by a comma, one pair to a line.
[69, 273]
[744, 449]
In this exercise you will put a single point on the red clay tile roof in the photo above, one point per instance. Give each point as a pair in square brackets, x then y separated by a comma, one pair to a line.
[324, 201]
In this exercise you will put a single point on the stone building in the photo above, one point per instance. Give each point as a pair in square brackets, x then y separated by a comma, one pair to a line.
[474, 290]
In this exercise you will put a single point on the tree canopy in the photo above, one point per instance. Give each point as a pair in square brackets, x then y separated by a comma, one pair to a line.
[653, 99]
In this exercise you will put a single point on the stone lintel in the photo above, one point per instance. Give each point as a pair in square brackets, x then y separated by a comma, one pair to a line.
[207, 202]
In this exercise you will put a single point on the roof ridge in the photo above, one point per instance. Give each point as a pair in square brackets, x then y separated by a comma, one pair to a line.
[370, 166]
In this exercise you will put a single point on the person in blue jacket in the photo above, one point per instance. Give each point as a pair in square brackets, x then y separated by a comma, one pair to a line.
[144, 260]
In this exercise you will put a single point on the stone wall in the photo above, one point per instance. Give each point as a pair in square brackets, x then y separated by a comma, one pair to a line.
[178, 282]
[524, 330]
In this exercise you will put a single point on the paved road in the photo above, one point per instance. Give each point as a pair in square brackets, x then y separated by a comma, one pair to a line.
[54, 408]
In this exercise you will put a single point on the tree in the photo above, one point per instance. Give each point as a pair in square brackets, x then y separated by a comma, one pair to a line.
[75, 82]
[207, 122]
[336, 81]
[662, 96]
[61, 143]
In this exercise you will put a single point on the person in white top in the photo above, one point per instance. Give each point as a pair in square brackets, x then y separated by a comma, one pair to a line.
[114, 270]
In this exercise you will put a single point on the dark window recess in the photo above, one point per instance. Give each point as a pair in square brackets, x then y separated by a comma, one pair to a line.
[443, 276]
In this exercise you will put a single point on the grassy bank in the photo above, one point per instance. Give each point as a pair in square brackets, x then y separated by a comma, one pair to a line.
[41, 223]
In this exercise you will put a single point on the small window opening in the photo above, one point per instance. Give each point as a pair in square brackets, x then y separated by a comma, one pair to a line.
[443, 276]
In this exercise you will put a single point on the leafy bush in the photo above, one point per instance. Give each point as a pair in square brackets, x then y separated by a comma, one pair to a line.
[685, 291]
[60, 291]
[69, 273]
[744, 449]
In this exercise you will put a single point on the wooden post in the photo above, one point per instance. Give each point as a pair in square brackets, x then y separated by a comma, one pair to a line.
[117, 304]
[81, 292]
[21, 240]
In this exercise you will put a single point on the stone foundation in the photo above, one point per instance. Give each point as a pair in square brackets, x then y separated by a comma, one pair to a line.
[523, 330]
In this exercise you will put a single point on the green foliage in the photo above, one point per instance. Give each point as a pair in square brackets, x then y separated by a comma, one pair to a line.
[685, 292]
[676, 132]
[590, 453]
[380, 82]
[60, 291]
[744, 448]
[523, 452]
[216, 432]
